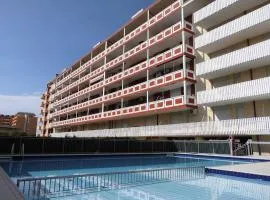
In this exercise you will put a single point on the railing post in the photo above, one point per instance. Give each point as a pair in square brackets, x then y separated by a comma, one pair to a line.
[113, 145]
[12, 149]
[43, 145]
[82, 146]
[63, 145]
[248, 147]
[231, 146]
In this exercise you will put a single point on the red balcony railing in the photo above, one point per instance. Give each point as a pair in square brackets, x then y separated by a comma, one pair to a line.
[159, 82]
[154, 20]
[175, 103]
[158, 60]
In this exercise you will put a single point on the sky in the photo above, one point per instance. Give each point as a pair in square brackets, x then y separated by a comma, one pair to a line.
[39, 38]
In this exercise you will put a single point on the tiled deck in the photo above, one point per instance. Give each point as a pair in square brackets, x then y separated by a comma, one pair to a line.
[8, 190]
[261, 168]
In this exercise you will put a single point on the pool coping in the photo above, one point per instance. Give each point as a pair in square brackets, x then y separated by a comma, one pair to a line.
[237, 174]
[222, 156]
[229, 157]
[8, 189]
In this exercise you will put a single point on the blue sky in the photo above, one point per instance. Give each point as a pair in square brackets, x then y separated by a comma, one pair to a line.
[38, 38]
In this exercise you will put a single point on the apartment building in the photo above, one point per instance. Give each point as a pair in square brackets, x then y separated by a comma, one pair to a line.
[25, 122]
[45, 122]
[192, 68]
[20, 123]
[5, 120]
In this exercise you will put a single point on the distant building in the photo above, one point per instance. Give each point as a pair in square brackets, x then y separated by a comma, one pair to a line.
[6, 120]
[22, 122]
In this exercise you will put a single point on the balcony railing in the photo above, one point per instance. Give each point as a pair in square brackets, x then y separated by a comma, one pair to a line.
[234, 127]
[247, 26]
[241, 92]
[168, 79]
[216, 12]
[241, 60]
[168, 33]
[175, 103]
[154, 20]
[167, 56]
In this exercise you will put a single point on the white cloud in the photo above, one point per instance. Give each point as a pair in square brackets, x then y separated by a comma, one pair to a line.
[12, 104]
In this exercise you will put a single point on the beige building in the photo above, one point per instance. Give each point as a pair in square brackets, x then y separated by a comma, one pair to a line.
[5, 120]
[20, 123]
[192, 68]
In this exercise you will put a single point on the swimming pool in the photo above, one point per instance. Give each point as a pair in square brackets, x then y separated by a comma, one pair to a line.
[59, 166]
[212, 186]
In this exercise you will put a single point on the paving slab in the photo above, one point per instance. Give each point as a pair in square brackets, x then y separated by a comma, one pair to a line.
[8, 190]
[260, 168]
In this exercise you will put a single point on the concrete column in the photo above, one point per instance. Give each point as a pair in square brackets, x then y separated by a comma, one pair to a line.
[104, 77]
[123, 69]
[184, 56]
[147, 57]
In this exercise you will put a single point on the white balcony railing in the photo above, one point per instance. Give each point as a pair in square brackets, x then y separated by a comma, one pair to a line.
[244, 59]
[236, 93]
[247, 26]
[220, 11]
[237, 127]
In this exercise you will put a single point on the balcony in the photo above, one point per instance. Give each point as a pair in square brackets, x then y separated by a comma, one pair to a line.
[234, 127]
[240, 29]
[165, 105]
[244, 59]
[191, 6]
[170, 35]
[51, 98]
[241, 92]
[44, 119]
[156, 19]
[42, 104]
[220, 11]
[154, 85]
[167, 56]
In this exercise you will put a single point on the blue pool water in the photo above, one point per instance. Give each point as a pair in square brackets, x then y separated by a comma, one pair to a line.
[67, 166]
[212, 187]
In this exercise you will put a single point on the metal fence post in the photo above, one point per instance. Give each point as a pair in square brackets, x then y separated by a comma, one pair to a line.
[43, 145]
[213, 147]
[231, 146]
[63, 146]
[113, 145]
[248, 147]
[12, 149]
[82, 150]
[128, 145]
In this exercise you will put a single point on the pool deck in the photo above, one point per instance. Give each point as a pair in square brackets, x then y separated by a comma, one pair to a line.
[8, 189]
[261, 168]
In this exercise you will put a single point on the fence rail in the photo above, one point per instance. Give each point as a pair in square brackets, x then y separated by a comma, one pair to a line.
[47, 187]
[30, 145]
[253, 148]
